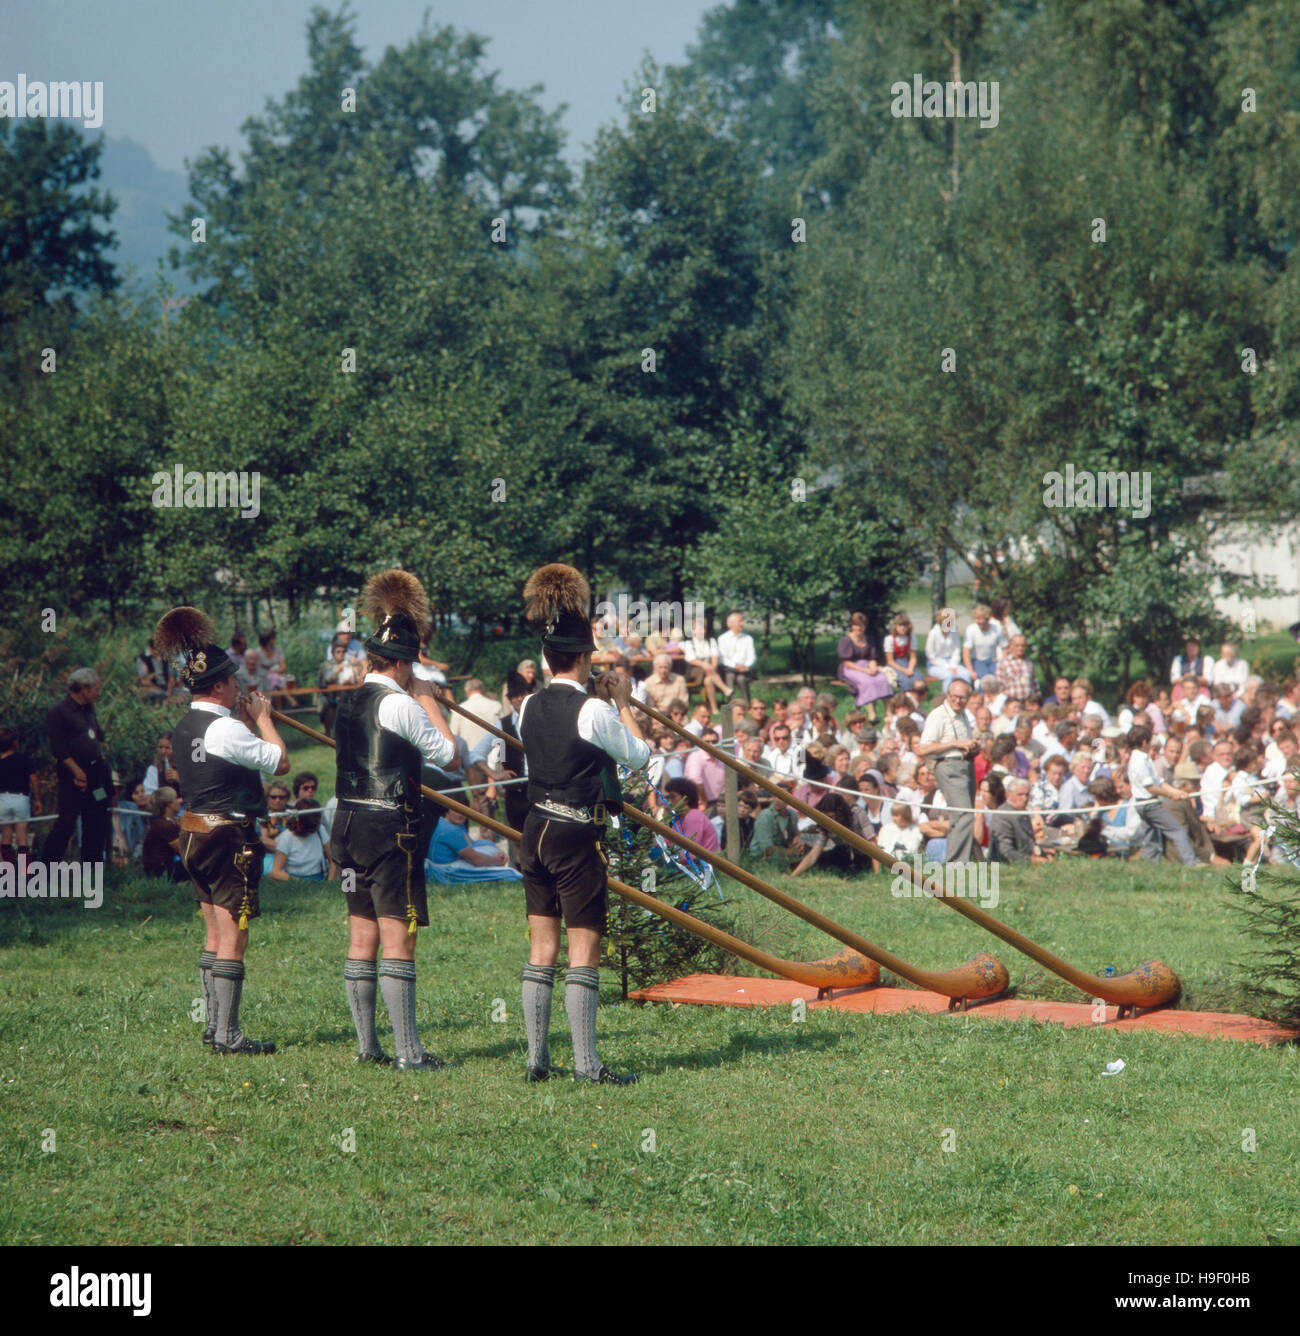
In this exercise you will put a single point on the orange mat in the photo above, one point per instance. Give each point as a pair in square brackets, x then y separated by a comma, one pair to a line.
[728, 990]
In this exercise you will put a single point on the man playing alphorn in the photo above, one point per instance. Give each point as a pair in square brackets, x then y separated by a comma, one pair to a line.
[382, 735]
[221, 764]
[572, 741]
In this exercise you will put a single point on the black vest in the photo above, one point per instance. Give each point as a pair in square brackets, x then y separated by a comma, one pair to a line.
[376, 768]
[210, 783]
[561, 766]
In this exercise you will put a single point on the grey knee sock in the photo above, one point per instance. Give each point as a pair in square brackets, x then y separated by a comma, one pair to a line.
[206, 961]
[362, 982]
[227, 986]
[397, 980]
[581, 987]
[539, 985]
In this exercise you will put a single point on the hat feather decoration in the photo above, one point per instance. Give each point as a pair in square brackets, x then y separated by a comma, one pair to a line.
[181, 631]
[390, 592]
[553, 589]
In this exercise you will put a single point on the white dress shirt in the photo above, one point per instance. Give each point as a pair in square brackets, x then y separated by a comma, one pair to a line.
[400, 714]
[230, 740]
[599, 724]
[944, 724]
[1212, 778]
[736, 651]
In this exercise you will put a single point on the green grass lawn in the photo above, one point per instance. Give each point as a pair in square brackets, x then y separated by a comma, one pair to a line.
[764, 1129]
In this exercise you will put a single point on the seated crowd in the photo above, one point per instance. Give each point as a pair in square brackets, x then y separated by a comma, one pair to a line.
[1051, 768]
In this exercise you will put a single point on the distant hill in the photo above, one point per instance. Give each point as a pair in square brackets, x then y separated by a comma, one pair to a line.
[145, 194]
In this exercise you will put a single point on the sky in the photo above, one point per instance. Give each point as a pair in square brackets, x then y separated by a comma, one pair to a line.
[180, 75]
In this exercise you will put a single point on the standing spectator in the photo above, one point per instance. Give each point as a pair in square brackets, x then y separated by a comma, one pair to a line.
[1230, 669]
[237, 648]
[162, 771]
[860, 666]
[948, 742]
[900, 654]
[943, 650]
[300, 846]
[1159, 824]
[981, 643]
[737, 655]
[20, 796]
[153, 674]
[160, 854]
[1015, 671]
[85, 785]
[1192, 663]
[665, 688]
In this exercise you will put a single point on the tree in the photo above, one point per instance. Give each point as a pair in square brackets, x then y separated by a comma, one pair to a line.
[801, 549]
[51, 247]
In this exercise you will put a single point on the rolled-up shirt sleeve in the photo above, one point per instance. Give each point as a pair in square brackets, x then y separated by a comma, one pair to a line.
[400, 714]
[229, 740]
[599, 724]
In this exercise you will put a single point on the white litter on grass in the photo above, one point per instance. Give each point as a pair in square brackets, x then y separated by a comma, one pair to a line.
[1114, 1068]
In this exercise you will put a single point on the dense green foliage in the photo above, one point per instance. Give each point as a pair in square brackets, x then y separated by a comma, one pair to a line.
[436, 348]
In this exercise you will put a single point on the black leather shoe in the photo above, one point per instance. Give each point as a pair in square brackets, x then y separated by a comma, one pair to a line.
[606, 1077]
[253, 1047]
[428, 1063]
[378, 1059]
[536, 1074]
[209, 1035]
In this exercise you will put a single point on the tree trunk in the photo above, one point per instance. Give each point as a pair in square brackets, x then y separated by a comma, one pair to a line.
[938, 579]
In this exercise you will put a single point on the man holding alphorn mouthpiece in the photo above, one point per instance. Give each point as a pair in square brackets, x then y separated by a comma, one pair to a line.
[572, 741]
[382, 735]
[221, 763]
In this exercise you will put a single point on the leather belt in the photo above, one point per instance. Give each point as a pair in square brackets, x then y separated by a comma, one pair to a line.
[563, 812]
[202, 822]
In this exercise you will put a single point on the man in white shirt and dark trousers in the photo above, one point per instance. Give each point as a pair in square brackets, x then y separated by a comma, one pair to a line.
[221, 765]
[382, 735]
[572, 742]
[737, 656]
[1159, 824]
[948, 740]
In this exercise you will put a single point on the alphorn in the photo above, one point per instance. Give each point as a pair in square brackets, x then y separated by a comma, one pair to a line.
[845, 969]
[982, 976]
[1152, 984]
